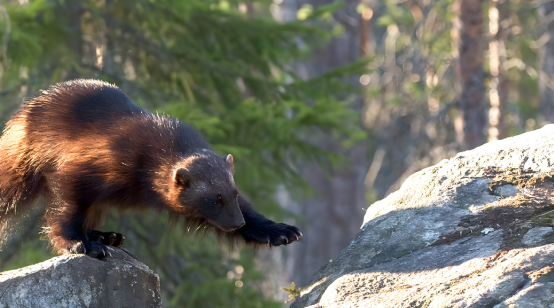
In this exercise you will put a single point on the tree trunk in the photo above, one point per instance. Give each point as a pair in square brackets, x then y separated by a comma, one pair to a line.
[546, 54]
[468, 36]
[498, 128]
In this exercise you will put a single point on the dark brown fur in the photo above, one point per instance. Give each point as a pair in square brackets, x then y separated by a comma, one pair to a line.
[84, 147]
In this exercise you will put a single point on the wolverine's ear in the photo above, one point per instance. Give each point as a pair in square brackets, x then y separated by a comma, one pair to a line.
[181, 176]
[229, 160]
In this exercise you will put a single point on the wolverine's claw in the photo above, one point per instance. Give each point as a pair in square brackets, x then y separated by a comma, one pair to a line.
[276, 234]
[106, 238]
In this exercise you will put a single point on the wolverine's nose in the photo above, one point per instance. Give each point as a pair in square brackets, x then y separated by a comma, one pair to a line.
[239, 222]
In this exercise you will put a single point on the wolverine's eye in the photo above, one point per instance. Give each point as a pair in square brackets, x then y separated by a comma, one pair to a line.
[218, 200]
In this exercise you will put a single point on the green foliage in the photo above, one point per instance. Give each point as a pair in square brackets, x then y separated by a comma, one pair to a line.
[226, 72]
[292, 291]
[396, 14]
[35, 252]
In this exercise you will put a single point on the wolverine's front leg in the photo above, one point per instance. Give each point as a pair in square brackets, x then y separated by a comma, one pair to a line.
[259, 230]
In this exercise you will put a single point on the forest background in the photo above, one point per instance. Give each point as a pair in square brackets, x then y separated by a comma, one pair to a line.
[327, 106]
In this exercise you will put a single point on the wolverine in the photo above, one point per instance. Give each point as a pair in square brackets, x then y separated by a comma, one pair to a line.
[83, 147]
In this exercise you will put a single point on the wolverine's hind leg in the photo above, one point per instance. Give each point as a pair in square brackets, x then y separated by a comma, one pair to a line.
[74, 213]
[66, 226]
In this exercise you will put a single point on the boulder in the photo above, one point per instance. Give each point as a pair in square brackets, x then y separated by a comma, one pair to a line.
[80, 281]
[473, 231]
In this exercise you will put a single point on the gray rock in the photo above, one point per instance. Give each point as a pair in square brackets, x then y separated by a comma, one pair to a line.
[422, 246]
[81, 281]
[534, 295]
[508, 191]
[537, 235]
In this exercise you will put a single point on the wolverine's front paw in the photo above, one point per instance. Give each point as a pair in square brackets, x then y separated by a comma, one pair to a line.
[91, 249]
[275, 234]
[284, 234]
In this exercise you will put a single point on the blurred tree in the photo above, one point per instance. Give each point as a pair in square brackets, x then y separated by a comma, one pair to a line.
[468, 36]
[546, 73]
[498, 68]
[222, 66]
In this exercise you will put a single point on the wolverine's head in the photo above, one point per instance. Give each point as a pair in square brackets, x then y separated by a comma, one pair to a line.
[207, 189]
